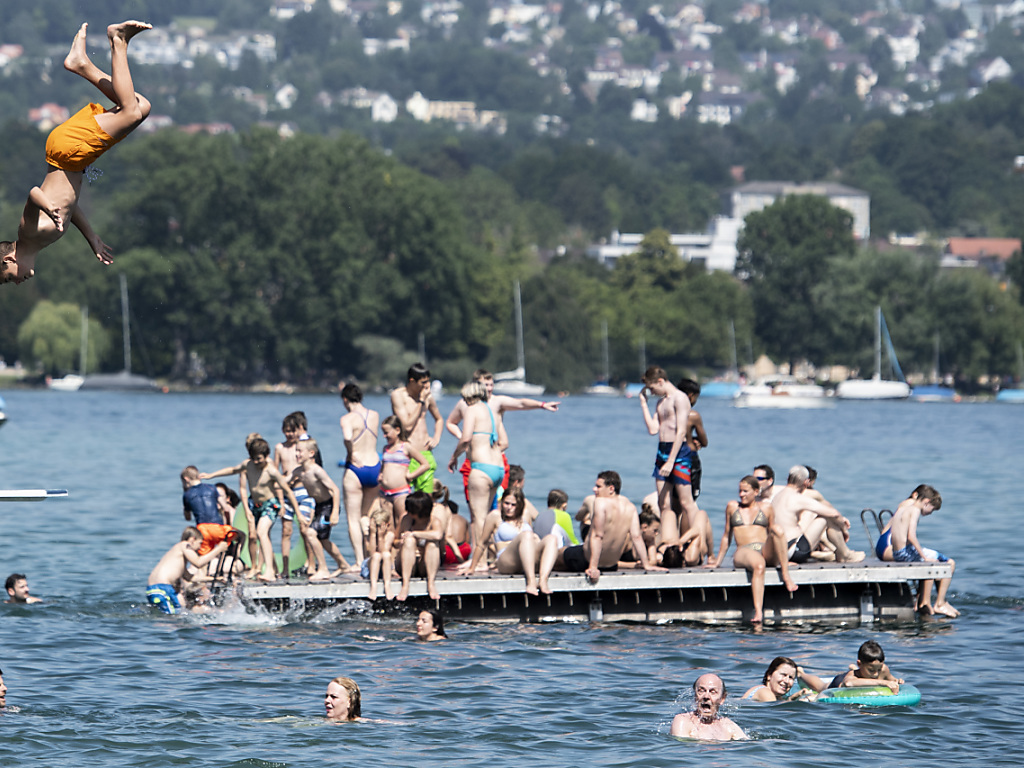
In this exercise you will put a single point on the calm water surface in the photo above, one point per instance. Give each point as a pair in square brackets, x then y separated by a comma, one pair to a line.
[101, 680]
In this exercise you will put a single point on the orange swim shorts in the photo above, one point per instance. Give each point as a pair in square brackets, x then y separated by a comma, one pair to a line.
[76, 143]
[214, 534]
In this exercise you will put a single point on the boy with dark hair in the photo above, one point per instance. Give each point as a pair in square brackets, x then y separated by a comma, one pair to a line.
[411, 404]
[869, 671]
[17, 589]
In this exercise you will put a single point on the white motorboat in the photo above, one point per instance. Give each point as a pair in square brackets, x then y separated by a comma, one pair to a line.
[782, 392]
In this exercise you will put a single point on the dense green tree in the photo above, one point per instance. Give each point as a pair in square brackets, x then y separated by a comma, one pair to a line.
[784, 252]
[51, 336]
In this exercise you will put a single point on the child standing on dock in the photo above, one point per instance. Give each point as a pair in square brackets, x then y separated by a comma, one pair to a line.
[326, 496]
[381, 537]
[899, 542]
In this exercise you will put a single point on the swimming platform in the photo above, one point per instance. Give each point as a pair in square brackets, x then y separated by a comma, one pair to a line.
[844, 593]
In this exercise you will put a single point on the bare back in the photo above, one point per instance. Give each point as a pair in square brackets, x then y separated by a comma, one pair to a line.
[620, 522]
[360, 428]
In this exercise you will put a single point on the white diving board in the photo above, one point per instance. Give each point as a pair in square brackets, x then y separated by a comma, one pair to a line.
[35, 494]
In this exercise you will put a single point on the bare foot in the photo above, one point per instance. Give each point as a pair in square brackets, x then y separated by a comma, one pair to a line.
[389, 591]
[265, 578]
[926, 610]
[126, 30]
[353, 569]
[532, 590]
[758, 619]
[545, 587]
[403, 594]
[373, 593]
[77, 59]
[791, 585]
[826, 557]
[320, 576]
[946, 610]
[432, 592]
[250, 574]
[853, 556]
[337, 572]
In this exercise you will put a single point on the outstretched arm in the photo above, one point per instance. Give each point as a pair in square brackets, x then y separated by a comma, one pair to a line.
[101, 249]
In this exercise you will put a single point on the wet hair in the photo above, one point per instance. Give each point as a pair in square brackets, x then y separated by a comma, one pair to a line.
[654, 373]
[689, 387]
[715, 674]
[778, 661]
[648, 515]
[294, 421]
[440, 493]
[812, 473]
[417, 371]
[232, 496]
[190, 473]
[870, 651]
[768, 471]
[438, 620]
[751, 481]
[6, 248]
[672, 557]
[611, 478]
[927, 493]
[419, 504]
[473, 392]
[395, 423]
[797, 475]
[13, 579]
[515, 493]
[352, 393]
[191, 533]
[250, 437]
[557, 497]
[258, 447]
[516, 474]
[355, 703]
[482, 373]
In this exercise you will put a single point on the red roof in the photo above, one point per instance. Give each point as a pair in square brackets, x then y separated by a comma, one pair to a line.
[1001, 248]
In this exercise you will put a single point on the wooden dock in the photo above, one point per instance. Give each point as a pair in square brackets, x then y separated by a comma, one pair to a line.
[860, 593]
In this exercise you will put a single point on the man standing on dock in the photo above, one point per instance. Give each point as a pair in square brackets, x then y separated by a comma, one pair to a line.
[704, 722]
[789, 502]
[411, 404]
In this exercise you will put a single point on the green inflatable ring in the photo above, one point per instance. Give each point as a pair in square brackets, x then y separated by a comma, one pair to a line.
[874, 696]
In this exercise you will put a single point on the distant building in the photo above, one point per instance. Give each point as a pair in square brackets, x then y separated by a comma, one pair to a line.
[990, 253]
[714, 249]
[48, 116]
[758, 195]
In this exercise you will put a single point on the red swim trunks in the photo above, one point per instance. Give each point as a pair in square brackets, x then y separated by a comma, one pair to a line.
[450, 557]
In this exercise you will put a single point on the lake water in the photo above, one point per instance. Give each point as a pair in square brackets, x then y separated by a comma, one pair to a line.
[101, 680]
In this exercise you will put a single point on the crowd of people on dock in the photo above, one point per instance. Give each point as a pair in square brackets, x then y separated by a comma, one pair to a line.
[403, 523]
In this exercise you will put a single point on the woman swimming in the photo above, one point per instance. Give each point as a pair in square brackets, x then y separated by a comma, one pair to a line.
[343, 701]
[750, 521]
[516, 545]
[430, 626]
[777, 682]
[482, 435]
[362, 464]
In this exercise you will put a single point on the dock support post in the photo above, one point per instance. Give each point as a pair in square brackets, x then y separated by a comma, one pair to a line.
[596, 610]
[867, 607]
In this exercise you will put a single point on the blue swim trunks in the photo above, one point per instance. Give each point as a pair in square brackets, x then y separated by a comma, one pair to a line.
[271, 507]
[909, 554]
[164, 597]
[680, 474]
[883, 543]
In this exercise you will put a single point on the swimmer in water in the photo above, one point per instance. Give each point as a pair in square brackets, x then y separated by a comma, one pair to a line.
[430, 627]
[3, 691]
[70, 149]
[778, 681]
[704, 722]
[342, 701]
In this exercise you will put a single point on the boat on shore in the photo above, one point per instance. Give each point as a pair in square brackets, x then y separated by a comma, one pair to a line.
[123, 380]
[877, 388]
[780, 391]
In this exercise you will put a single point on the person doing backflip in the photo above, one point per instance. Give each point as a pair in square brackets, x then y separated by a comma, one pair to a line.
[71, 148]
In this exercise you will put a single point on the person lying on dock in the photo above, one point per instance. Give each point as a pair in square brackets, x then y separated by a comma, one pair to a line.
[758, 540]
[789, 502]
[516, 545]
[18, 591]
[899, 542]
[869, 671]
[704, 722]
[71, 148]
[420, 538]
[200, 501]
[613, 523]
[167, 576]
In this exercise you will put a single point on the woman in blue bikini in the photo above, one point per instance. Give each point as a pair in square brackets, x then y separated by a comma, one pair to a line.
[516, 545]
[362, 464]
[481, 436]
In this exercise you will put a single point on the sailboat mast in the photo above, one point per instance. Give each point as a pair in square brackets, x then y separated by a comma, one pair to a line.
[604, 351]
[520, 345]
[124, 325]
[734, 364]
[878, 342]
[83, 352]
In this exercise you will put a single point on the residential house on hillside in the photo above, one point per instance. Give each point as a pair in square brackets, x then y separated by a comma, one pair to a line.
[758, 195]
[990, 253]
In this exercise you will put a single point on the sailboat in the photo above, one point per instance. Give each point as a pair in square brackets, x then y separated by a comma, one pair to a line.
[514, 382]
[124, 380]
[935, 392]
[729, 384]
[877, 388]
[602, 388]
[72, 382]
